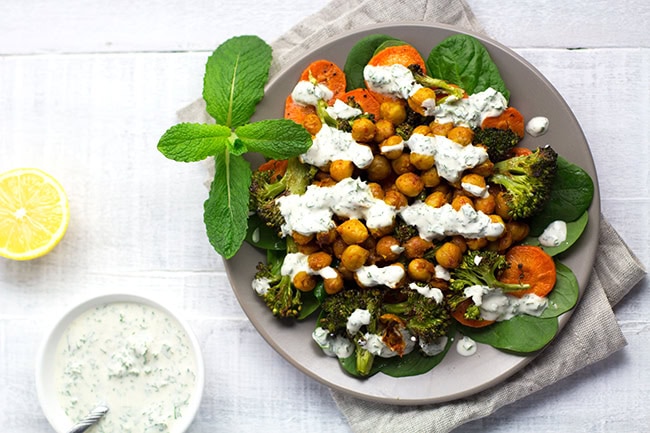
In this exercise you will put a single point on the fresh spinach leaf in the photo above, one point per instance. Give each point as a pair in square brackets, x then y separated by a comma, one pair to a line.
[574, 231]
[235, 76]
[311, 300]
[572, 193]
[358, 58]
[262, 236]
[389, 43]
[464, 61]
[225, 212]
[521, 334]
[564, 295]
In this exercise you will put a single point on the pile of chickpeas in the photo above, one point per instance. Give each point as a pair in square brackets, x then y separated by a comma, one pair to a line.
[399, 177]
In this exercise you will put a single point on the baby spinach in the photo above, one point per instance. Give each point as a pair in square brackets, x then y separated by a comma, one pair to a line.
[233, 84]
[262, 236]
[574, 231]
[572, 193]
[521, 334]
[358, 58]
[464, 61]
[564, 295]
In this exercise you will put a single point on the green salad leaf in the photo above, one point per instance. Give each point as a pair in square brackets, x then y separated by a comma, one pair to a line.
[464, 61]
[574, 231]
[565, 294]
[358, 58]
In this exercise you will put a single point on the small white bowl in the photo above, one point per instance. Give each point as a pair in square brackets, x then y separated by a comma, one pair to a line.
[46, 383]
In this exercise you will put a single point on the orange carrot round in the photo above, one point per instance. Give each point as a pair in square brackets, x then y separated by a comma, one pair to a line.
[520, 151]
[277, 167]
[404, 55]
[328, 74]
[530, 265]
[459, 315]
[511, 119]
[297, 112]
[365, 99]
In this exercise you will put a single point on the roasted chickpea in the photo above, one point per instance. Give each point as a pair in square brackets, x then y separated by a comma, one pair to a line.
[326, 238]
[518, 229]
[440, 128]
[308, 248]
[484, 169]
[422, 130]
[421, 269]
[504, 241]
[354, 256]
[319, 260]
[393, 111]
[312, 123]
[486, 204]
[501, 206]
[341, 169]
[304, 282]
[301, 239]
[383, 130]
[461, 135]
[395, 198]
[376, 190]
[460, 201]
[379, 169]
[388, 248]
[474, 179]
[363, 130]
[430, 177]
[422, 99]
[379, 232]
[353, 231]
[409, 184]
[422, 162]
[392, 147]
[449, 255]
[436, 199]
[338, 246]
[460, 241]
[476, 244]
[416, 247]
[402, 164]
[333, 285]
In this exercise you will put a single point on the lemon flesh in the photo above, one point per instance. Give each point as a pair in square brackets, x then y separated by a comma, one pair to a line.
[34, 213]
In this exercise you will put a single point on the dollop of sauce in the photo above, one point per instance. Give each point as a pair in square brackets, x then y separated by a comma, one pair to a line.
[435, 347]
[428, 292]
[394, 80]
[341, 110]
[132, 356]
[471, 111]
[331, 144]
[308, 93]
[537, 126]
[333, 345]
[498, 306]
[466, 346]
[554, 234]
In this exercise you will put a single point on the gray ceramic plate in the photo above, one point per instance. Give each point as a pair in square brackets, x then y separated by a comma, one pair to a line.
[456, 376]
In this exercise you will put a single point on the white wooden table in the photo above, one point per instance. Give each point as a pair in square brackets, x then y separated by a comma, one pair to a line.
[86, 90]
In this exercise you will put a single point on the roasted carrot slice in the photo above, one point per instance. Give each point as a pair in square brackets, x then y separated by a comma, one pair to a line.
[511, 118]
[459, 315]
[297, 112]
[328, 74]
[365, 99]
[404, 55]
[277, 167]
[530, 265]
[519, 151]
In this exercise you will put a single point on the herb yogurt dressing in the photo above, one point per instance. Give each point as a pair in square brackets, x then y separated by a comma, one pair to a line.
[131, 356]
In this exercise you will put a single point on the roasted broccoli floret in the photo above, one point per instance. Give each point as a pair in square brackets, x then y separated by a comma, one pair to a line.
[481, 268]
[277, 290]
[402, 231]
[423, 316]
[435, 83]
[337, 309]
[498, 142]
[527, 181]
[266, 187]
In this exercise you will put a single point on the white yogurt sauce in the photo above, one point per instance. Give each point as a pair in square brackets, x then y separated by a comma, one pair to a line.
[473, 110]
[554, 234]
[475, 190]
[451, 158]
[498, 306]
[442, 273]
[308, 93]
[298, 262]
[537, 126]
[131, 356]
[466, 346]
[435, 347]
[436, 223]
[341, 110]
[394, 80]
[373, 275]
[335, 346]
[357, 319]
[375, 344]
[428, 292]
[331, 144]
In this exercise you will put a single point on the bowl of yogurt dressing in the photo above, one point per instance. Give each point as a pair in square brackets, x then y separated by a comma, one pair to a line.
[128, 352]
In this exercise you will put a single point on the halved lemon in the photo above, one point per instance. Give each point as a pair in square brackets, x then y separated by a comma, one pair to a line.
[34, 213]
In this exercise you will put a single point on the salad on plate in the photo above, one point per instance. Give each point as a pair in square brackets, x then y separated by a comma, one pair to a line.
[398, 205]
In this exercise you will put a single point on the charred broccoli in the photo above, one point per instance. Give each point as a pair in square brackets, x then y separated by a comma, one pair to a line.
[337, 309]
[265, 188]
[277, 290]
[423, 316]
[481, 268]
[527, 181]
[403, 232]
[499, 142]
[435, 83]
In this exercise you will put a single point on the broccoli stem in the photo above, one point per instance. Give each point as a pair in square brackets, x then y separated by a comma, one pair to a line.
[364, 360]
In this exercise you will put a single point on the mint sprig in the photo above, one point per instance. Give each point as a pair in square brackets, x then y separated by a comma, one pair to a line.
[233, 85]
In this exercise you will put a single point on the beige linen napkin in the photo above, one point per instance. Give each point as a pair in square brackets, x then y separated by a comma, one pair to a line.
[591, 335]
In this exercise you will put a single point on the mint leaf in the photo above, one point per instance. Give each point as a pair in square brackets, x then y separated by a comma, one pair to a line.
[235, 76]
[278, 139]
[225, 212]
[188, 142]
